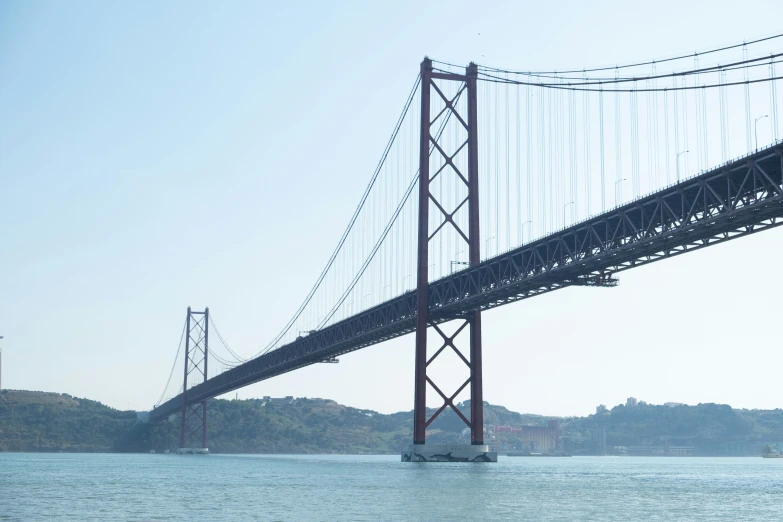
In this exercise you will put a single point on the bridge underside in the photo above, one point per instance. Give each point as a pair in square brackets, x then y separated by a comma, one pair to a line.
[734, 200]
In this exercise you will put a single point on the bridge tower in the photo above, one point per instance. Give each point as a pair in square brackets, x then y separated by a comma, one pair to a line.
[193, 428]
[477, 451]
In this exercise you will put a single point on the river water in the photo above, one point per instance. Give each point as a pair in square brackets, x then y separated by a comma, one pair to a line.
[379, 488]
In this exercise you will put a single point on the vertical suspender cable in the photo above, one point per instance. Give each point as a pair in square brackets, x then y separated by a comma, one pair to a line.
[586, 153]
[541, 203]
[773, 101]
[748, 141]
[618, 158]
[666, 156]
[497, 171]
[655, 149]
[728, 136]
[704, 127]
[529, 143]
[634, 143]
[601, 120]
[519, 170]
[685, 133]
[573, 152]
[508, 173]
[697, 100]
[551, 167]
[722, 100]
[676, 131]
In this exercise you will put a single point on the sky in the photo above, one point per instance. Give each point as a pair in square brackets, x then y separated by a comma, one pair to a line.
[155, 156]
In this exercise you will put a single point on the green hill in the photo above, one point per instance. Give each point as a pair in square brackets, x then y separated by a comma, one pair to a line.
[318, 426]
[38, 421]
[712, 429]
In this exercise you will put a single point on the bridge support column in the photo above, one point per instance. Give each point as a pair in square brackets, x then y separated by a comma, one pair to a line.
[476, 451]
[193, 425]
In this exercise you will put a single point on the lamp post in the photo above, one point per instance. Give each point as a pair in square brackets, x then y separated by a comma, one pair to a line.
[528, 222]
[756, 129]
[678, 163]
[486, 243]
[465, 263]
[564, 212]
[621, 190]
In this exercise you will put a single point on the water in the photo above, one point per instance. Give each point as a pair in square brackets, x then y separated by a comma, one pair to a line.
[379, 488]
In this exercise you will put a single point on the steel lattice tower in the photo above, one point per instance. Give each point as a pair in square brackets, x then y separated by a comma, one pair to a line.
[194, 415]
[470, 319]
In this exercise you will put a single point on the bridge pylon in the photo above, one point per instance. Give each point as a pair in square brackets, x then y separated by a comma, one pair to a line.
[193, 428]
[429, 145]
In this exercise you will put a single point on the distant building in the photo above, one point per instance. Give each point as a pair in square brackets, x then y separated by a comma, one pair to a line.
[658, 450]
[541, 439]
[599, 440]
[289, 399]
[554, 425]
[673, 404]
[601, 408]
[631, 402]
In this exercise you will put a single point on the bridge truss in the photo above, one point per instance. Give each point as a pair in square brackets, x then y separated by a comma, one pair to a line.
[734, 200]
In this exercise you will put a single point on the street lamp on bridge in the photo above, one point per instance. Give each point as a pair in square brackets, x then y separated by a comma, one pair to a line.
[678, 163]
[465, 263]
[486, 243]
[564, 212]
[756, 129]
[522, 228]
[621, 190]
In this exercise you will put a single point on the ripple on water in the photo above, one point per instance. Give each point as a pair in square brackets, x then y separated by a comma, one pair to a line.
[252, 487]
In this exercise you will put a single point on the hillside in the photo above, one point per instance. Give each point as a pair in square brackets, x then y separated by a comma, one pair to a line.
[38, 421]
[711, 429]
[318, 426]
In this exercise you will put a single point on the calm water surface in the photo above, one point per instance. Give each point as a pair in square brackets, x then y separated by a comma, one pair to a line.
[226, 487]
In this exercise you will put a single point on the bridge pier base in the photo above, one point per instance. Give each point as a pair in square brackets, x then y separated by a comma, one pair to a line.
[449, 453]
[193, 451]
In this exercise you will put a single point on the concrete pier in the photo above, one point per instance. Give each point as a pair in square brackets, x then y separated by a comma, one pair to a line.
[449, 453]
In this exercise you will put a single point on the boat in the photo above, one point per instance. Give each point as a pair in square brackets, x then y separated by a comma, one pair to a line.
[771, 452]
[531, 454]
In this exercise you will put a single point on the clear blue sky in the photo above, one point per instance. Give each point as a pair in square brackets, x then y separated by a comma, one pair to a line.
[160, 155]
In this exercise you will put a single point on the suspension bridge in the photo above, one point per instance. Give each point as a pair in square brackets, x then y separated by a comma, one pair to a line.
[498, 185]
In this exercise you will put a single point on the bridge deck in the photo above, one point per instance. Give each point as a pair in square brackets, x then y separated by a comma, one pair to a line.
[734, 200]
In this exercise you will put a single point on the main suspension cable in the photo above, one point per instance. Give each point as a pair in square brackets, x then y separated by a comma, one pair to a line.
[350, 224]
[639, 64]
[171, 373]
